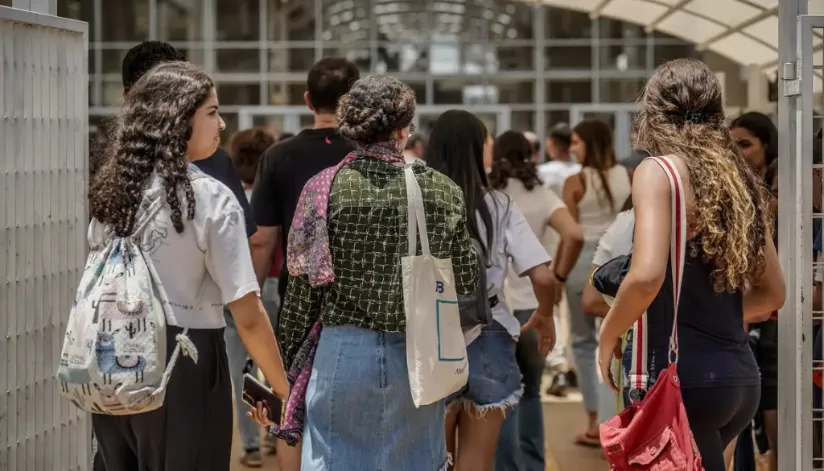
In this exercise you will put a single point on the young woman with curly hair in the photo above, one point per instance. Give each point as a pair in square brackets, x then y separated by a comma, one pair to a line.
[344, 258]
[521, 444]
[731, 270]
[198, 245]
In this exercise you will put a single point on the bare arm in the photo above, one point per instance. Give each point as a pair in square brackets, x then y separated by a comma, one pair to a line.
[572, 194]
[653, 218]
[263, 243]
[593, 301]
[769, 293]
[544, 286]
[256, 332]
[572, 241]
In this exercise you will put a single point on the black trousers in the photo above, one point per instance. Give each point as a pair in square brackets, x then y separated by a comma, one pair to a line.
[193, 429]
[717, 415]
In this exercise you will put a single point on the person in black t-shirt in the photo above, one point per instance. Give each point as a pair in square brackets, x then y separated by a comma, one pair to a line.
[286, 167]
[142, 58]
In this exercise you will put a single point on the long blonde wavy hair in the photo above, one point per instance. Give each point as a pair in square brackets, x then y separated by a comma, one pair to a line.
[682, 114]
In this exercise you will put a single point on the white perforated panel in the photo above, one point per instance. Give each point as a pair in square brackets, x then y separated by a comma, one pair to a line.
[43, 220]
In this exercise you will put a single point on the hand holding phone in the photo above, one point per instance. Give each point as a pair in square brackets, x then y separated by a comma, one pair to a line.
[258, 396]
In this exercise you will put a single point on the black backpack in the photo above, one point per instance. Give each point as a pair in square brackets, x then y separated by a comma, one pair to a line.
[475, 308]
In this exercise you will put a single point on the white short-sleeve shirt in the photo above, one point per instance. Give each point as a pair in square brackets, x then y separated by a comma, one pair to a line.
[512, 241]
[537, 205]
[617, 240]
[206, 266]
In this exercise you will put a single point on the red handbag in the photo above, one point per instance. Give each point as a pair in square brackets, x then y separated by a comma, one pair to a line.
[654, 434]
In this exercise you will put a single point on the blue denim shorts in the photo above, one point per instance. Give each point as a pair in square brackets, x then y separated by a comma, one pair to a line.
[494, 378]
[359, 409]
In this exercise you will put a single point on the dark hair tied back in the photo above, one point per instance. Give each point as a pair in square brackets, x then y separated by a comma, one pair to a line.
[512, 158]
[374, 108]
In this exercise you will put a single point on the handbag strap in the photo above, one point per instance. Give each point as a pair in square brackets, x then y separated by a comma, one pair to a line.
[678, 244]
[416, 216]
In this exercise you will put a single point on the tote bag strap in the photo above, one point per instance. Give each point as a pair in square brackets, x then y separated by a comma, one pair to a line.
[678, 241]
[416, 216]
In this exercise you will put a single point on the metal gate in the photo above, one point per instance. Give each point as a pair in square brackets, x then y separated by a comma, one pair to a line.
[800, 212]
[43, 220]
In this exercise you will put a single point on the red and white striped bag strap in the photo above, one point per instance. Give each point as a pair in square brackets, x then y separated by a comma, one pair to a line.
[639, 370]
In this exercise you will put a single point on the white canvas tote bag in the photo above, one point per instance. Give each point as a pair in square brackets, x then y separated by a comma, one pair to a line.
[435, 346]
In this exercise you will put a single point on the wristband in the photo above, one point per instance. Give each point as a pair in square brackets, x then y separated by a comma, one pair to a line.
[560, 278]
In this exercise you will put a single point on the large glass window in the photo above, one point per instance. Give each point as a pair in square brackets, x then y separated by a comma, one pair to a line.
[620, 90]
[239, 93]
[287, 94]
[510, 56]
[357, 52]
[176, 20]
[569, 91]
[238, 60]
[237, 20]
[567, 24]
[347, 21]
[125, 20]
[568, 56]
[514, 90]
[622, 55]
[609, 28]
[290, 21]
[461, 90]
[82, 10]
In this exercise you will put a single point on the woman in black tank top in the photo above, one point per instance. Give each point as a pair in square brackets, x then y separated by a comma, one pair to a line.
[731, 269]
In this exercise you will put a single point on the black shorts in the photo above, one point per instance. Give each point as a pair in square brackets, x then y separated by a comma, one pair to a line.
[193, 429]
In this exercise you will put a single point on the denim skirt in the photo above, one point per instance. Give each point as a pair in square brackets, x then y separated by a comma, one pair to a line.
[359, 410]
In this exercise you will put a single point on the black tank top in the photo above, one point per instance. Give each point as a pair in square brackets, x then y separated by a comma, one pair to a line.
[713, 346]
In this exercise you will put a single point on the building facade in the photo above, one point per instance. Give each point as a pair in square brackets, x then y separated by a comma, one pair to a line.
[517, 64]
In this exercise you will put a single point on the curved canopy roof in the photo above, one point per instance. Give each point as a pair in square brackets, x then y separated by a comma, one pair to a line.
[745, 31]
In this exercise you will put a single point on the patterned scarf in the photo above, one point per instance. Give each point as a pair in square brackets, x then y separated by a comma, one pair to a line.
[308, 254]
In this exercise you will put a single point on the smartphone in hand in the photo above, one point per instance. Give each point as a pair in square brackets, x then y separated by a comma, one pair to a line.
[254, 392]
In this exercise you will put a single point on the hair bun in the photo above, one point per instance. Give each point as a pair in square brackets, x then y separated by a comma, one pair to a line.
[373, 108]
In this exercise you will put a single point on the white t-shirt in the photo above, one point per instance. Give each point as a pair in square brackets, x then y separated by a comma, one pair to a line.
[617, 240]
[206, 266]
[512, 240]
[537, 206]
[554, 173]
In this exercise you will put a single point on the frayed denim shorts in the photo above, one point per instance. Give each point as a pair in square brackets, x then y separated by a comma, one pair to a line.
[359, 410]
[494, 377]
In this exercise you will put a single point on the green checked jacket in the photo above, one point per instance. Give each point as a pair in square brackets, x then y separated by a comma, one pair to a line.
[367, 239]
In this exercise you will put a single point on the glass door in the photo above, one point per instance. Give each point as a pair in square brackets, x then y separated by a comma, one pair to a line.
[497, 118]
[618, 117]
[279, 119]
[294, 119]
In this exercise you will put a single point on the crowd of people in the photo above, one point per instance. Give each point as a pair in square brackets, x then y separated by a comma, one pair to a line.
[300, 237]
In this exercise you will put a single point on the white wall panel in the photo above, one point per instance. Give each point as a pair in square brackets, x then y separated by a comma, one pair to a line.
[43, 219]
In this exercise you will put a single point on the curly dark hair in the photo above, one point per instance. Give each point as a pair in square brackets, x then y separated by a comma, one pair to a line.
[246, 147]
[151, 135]
[375, 107]
[512, 158]
[682, 113]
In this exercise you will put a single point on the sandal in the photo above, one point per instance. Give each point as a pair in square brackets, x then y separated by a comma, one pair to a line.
[587, 439]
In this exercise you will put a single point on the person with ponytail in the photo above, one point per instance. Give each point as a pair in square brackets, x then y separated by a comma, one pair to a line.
[514, 172]
[594, 197]
[731, 272]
